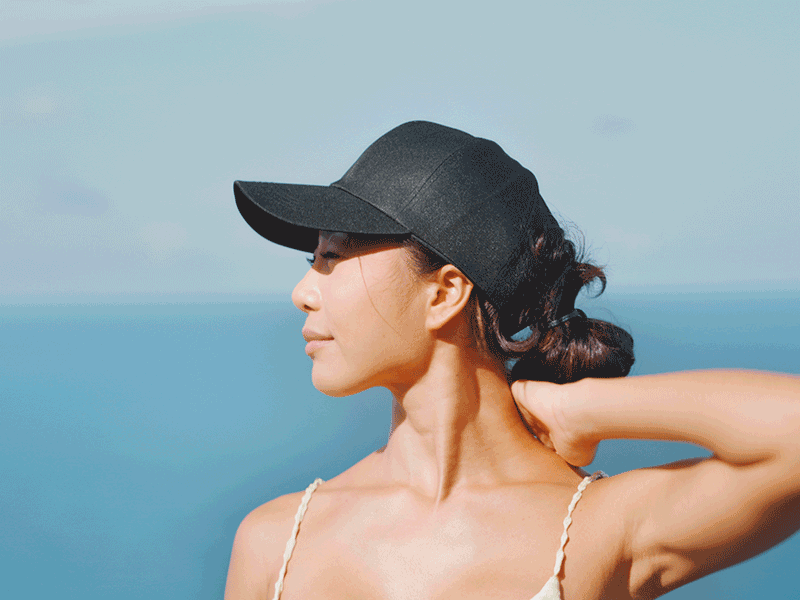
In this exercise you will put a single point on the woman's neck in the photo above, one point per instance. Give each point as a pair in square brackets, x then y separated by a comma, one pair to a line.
[458, 425]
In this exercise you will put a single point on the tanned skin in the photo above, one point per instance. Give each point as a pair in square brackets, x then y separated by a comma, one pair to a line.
[463, 502]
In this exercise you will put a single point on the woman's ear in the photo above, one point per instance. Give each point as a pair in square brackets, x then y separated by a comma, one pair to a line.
[450, 293]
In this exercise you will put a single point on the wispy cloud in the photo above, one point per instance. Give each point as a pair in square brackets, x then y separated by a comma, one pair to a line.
[20, 18]
[612, 125]
[34, 106]
[69, 197]
[162, 240]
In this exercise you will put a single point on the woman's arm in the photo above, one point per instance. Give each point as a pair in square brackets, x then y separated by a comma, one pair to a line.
[743, 417]
[692, 518]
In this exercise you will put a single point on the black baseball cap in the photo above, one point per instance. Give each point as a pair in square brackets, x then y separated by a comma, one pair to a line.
[458, 195]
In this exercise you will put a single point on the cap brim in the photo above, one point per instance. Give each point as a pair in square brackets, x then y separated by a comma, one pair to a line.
[292, 215]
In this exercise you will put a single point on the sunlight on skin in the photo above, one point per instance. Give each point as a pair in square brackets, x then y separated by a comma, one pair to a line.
[341, 294]
[378, 324]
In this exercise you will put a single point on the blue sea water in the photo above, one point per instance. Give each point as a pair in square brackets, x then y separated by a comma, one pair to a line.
[135, 437]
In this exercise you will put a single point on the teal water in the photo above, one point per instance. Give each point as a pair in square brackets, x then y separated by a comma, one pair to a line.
[134, 438]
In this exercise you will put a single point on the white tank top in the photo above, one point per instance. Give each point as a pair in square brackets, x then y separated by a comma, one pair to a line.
[550, 591]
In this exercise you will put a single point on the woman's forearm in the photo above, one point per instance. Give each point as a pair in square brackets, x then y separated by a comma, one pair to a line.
[743, 417]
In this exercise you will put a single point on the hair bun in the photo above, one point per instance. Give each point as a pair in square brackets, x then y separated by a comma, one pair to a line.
[576, 349]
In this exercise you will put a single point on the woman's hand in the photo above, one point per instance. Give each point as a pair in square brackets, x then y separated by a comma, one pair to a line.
[542, 405]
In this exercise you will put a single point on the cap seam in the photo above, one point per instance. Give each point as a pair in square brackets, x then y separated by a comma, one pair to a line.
[411, 233]
[395, 219]
[433, 174]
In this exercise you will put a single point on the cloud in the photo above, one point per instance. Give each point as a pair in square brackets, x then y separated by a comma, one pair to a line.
[39, 105]
[612, 125]
[162, 240]
[66, 197]
[20, 18]
[628, 241]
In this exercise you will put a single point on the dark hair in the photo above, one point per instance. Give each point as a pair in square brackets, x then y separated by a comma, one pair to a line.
[571, 350]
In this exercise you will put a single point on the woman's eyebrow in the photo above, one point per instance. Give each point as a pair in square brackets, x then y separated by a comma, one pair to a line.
[347, 242]
[335, 237]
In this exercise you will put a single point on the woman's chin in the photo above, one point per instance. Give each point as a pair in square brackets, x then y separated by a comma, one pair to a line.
[335, 386]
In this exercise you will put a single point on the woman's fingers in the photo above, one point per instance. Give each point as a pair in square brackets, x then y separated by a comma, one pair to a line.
[538, 404]
[532, 406]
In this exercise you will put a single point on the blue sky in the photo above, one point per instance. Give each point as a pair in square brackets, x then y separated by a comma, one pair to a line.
[667, 132]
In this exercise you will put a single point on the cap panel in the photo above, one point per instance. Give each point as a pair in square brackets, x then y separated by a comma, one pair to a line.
[481, 212]
[488, 241]
[393, 169]
[504, 228]
[468, 174]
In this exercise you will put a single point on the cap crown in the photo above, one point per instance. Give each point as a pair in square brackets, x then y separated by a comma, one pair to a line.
[459, 195]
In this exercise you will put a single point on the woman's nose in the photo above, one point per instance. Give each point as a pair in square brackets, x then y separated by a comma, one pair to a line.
[305, 295]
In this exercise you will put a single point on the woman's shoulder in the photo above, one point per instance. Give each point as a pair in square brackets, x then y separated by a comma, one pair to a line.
[259, 545]
[275, 514]
[267, 528]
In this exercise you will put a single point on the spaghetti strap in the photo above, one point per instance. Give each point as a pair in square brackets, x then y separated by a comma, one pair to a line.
[551, 589]
[301, 511]
[568, 519]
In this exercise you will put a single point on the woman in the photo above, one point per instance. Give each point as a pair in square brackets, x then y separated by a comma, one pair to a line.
[430, 256]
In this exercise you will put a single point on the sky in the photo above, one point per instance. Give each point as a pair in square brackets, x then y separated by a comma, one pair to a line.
[664, 134]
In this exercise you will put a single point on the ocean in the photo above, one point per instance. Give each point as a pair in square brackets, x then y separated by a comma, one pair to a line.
[135, 437]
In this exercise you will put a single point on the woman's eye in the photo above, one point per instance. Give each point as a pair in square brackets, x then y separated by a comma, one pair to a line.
[326, 255]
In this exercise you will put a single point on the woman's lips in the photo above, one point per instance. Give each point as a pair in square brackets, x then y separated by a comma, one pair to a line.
[314, 345]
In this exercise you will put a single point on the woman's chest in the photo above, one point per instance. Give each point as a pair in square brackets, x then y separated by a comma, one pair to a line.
[479, 550]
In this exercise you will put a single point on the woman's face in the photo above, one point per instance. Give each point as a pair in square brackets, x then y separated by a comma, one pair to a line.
[365, 323]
